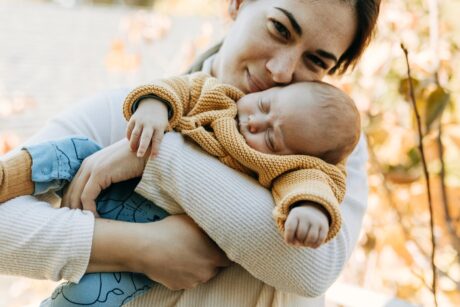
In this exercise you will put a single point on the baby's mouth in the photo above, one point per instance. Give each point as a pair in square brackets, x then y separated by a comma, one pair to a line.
[241, 123]
[243, 129]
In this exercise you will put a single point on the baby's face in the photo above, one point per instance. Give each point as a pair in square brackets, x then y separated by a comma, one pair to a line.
[279, 120]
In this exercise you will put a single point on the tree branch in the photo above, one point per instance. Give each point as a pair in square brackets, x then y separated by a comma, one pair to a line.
[427, 176]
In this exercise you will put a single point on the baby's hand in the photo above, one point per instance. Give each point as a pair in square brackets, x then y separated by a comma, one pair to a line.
[147, 126]
[307, 226]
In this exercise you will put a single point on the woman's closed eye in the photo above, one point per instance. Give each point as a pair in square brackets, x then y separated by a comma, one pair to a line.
[281, 30]
[316, 61]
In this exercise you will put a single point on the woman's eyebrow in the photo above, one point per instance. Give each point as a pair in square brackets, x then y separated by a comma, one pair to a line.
[292, 19]
[327, 55]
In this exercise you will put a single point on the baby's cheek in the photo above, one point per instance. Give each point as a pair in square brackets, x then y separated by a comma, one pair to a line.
[256, 142]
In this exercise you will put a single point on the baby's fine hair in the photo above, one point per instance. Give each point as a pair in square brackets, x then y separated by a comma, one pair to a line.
[341, 115]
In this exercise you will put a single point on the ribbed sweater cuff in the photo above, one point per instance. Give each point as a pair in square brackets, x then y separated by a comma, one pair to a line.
[15, 176]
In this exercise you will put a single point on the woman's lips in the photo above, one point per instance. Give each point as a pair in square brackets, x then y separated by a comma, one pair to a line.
[254, 84]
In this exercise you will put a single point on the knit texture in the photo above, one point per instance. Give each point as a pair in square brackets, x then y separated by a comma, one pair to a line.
[15, 176]
[240, 224]
[205, 109]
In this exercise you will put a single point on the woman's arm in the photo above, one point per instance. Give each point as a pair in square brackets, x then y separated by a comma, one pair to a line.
[236, 212]
[38, 241]
[174, 251]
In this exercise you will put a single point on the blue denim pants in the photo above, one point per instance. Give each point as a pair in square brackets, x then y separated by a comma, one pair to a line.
[54, 164]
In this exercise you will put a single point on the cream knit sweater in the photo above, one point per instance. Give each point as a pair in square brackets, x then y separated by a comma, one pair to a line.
[278, 273]
[204, 110]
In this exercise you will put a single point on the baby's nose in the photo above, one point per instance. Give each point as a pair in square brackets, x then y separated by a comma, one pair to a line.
[255, 123]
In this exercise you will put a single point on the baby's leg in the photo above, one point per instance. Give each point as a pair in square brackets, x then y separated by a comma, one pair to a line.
[55, 163]
[119, 202]
[46, 166]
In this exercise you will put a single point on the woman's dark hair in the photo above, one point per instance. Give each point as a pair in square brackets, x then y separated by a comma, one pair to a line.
[366, 12]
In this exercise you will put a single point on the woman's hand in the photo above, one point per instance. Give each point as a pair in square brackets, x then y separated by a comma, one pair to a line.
[180, 255]
[112, 164]
[174, 251]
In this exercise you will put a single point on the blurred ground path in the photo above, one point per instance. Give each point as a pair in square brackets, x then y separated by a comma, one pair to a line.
[53, 56]
[50, 57]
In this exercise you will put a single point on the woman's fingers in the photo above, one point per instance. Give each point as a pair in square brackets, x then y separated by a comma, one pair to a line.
[78, 184]
[187, 256]
[112, 164]
[91, 191]
[70, 195]
[76, 188]
[87, 187]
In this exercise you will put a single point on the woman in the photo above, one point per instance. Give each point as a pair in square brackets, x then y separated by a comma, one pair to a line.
[272, 42]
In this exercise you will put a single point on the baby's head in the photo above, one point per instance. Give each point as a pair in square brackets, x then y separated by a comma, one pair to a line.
[307, 118]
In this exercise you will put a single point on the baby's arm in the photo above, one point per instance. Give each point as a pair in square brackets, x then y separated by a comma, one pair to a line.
[306, 225]
[317, 183]
[149, 108]
[241, 222]
[147, 126]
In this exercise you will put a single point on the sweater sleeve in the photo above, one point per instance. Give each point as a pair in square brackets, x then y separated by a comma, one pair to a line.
[38, 241]
[236, 212]
[15, 176]
[181, 93]
[327, 189]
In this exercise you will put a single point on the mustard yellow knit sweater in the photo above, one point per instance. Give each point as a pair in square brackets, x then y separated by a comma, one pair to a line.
[16, 176]
[205, 110]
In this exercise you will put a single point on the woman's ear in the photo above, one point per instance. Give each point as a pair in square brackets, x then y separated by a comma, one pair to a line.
[234, 7]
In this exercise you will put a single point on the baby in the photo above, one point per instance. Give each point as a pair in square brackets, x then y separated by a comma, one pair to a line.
[283, 136]
[290, 138]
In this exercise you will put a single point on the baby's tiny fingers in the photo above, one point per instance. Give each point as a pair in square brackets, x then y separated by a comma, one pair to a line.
[302, 231]
[135, 137]
[290, 228]
[129, 128]
[156, 142]
[311, 237]
[146, 138]
[321, 237]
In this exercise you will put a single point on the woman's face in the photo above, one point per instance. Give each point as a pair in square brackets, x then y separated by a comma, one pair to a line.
[277, 42]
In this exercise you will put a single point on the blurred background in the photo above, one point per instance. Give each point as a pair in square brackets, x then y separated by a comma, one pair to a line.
[55, 53]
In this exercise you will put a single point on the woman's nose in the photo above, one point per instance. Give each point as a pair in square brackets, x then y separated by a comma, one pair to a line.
[282, 67]
[256, 123]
